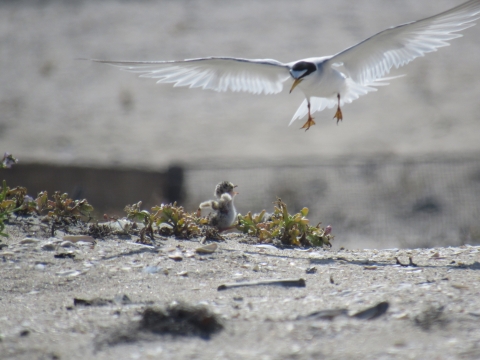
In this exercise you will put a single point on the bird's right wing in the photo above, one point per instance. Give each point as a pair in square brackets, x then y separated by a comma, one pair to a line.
[256, 76]
[374, 57]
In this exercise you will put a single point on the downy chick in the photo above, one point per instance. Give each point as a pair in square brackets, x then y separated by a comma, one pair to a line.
[224, 210]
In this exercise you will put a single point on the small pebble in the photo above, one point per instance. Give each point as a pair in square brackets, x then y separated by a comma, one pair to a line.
[151, 269]
[7, 253]
[76, 238]
[48, 247]
[66, 244]
[207, 249]
[29, 241]
[177, 256]
[69, 273]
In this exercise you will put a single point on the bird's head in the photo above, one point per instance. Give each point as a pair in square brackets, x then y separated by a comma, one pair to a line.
[300, 70]
[225, 187]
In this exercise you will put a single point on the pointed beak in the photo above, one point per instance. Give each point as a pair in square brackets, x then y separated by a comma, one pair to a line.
[295, 83]
[234, 192]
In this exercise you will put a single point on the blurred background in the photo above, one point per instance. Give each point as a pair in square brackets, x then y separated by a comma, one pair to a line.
[401, 170]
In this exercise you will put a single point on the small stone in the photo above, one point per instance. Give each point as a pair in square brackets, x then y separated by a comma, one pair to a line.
[207, 249]
[76, 238]
[66, 244]
[7, 253]
[29, 241]
[151, 269]
[183, 273]
[189, 254]
[48, 247]
[69, 273]
[177, 256]
[40, 267]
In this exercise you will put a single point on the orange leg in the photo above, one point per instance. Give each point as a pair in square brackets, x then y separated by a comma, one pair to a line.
[338, 114]
[310, 121]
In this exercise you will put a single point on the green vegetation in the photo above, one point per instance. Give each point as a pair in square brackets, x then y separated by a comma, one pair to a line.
[289, 229]
[292, 230]
[61, 210]
[6, 208]
[165, 220]
[169, 220]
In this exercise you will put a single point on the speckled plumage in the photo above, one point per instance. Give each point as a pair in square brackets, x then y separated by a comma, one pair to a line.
[225, 187]
[224, 212]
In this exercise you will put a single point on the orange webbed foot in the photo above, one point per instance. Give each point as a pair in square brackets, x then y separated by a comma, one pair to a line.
[338, 115]
[309, 123]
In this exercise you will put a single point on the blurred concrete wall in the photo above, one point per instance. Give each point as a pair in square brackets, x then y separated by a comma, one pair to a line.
[57, 109]
[108, 190]
[61, 111]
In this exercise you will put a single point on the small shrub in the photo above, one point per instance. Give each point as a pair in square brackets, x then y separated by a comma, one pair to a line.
[289, 229]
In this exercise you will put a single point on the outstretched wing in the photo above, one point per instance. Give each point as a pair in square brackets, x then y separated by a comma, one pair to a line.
[256, 76]
[397, 46]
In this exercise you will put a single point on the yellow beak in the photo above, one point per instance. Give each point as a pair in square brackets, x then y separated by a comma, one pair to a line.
[295, 83]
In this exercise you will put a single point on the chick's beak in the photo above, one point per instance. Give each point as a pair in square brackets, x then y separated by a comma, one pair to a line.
[295, 83]
[234, 192]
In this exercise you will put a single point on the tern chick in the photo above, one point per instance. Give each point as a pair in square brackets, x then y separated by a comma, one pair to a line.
[224, 212]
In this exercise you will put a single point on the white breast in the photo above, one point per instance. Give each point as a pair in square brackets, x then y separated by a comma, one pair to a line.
[325, 83]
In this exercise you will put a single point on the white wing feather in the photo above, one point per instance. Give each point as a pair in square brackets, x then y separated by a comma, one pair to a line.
[397, 46]
[256, 76]
[364, 64]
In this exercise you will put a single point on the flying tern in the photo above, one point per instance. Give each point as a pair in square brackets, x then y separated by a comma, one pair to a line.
[326, 81]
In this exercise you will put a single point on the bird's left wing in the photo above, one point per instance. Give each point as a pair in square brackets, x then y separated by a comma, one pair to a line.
[397, 46]
[256, 76]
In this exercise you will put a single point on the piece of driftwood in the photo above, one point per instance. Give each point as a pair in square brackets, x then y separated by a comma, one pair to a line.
[278, 282]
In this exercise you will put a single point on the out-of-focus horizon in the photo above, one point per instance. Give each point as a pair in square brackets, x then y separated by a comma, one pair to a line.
[55, 109]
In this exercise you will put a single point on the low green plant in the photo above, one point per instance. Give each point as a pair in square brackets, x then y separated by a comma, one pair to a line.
[289, 229]
[168, 219]
[6, 208]
[60, 208]
[182, 224]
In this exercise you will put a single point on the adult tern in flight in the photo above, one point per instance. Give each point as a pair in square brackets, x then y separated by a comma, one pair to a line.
[326, 81]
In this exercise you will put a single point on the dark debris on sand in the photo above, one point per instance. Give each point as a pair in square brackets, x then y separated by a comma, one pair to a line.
[177, 319]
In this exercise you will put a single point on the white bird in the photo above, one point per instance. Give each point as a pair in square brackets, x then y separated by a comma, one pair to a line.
[326, 81]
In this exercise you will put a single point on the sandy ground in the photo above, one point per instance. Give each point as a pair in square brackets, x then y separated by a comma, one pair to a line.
[60, 110]
[432, 314]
